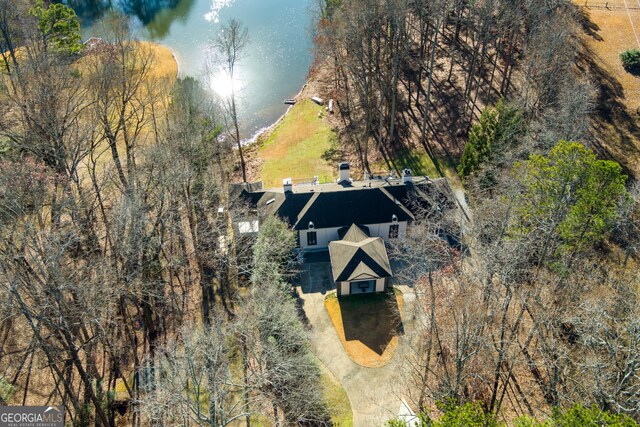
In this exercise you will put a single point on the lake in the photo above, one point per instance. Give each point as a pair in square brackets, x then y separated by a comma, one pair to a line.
[274, 66]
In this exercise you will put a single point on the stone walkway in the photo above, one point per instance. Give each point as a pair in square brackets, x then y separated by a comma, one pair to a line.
[371, 391]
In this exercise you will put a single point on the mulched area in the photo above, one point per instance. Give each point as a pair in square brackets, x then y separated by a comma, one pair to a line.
[368, 325]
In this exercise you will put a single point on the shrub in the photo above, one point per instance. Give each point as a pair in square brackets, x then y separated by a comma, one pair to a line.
[6, 391]
[631, 60]
[578, 415]
[498, 127]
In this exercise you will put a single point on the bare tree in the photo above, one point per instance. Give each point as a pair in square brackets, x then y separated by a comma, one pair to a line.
[229, 46]
[275, 345]
[196, 380]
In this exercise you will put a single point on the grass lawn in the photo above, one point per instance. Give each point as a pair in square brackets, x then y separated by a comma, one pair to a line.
[165, 64]
[296, 146]
[611, 33]
[417, 160]
[164, 70]
[334, 395]
[367, 325]
[421, 165]
[337, 400]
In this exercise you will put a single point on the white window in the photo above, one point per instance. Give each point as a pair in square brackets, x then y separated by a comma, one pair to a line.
[312, 238]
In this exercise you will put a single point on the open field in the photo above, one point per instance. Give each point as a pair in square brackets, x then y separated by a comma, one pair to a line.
[296, 147]
[164, 62]
[611, 33]
[163, 70]
[608, 29]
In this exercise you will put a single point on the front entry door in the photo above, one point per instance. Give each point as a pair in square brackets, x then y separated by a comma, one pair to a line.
[362, 287]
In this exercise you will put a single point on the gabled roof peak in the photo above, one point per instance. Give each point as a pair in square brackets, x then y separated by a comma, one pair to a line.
[364, 258]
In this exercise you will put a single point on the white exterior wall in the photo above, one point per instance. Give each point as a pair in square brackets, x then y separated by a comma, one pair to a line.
[344, 288]
[323, 237]
[382, 230]
[326, 235]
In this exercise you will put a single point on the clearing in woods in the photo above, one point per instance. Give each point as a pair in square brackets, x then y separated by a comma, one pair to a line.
[297, 147]
[610, 27]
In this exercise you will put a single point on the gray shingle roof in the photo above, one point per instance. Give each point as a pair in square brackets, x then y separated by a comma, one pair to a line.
[358, 257]
[354, 233]
[287, 207]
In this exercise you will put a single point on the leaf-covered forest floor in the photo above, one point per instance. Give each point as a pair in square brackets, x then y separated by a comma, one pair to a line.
[607, 31]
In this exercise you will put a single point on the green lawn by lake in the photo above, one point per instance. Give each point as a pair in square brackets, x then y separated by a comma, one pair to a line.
[296, 147]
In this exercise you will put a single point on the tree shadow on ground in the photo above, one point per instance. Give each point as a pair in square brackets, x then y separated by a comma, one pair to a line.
[614, 128]
[302, 314]
[372, 319]
[589, 27]
[450, 112]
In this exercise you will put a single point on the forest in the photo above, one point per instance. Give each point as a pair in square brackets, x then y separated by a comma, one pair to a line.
[128, 296]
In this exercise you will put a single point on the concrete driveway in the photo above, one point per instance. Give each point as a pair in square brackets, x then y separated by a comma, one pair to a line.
[372, 392]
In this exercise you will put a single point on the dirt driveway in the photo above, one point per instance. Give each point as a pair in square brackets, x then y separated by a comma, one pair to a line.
[373, 392]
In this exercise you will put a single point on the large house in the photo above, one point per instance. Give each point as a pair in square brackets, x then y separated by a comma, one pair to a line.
[320, 212]
[353, 219]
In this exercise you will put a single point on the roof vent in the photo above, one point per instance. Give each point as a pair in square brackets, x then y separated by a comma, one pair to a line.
[287, 184]
[311, 225]
[394, 218]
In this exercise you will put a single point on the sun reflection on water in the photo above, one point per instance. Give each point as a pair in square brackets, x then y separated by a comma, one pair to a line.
[222, 84]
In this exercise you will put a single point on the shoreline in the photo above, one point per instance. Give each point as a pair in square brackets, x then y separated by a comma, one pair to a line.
[175, 58]
[266, 130]
[263, 132]
[171, 51]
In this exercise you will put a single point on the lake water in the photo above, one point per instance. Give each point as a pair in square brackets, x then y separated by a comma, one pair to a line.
[274, 66]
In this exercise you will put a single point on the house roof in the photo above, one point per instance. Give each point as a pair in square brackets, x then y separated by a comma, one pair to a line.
[354, 232]
[339, 205]
[358, 257]
[423, 196]
[340, 208]
[250, 192]
[287, 207]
